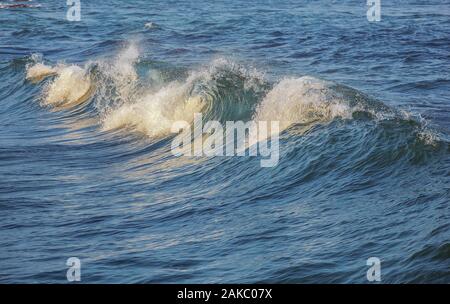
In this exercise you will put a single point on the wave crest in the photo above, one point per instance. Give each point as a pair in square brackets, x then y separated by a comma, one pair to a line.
[222, 90]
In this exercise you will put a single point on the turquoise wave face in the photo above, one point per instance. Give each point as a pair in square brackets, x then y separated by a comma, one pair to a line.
[87, 169]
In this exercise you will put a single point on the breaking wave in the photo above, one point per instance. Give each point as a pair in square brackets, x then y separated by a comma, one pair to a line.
[223, 90]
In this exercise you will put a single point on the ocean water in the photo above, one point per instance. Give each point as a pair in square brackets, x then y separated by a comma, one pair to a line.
[86, 168]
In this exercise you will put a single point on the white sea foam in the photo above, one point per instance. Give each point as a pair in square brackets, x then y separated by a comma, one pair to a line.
[151, 25]
[39, 71]
[154, 113]
[301, 100]
[142, 108]
[71, 86]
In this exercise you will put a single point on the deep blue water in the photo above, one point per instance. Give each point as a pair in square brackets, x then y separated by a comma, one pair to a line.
[96, 179]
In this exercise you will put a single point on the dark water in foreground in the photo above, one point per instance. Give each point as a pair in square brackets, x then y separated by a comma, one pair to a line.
[363, 172]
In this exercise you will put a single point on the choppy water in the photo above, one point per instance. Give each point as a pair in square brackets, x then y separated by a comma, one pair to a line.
[85, 162]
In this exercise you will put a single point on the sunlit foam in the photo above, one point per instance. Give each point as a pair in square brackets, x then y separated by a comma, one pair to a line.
[302, 100]
[71, 86]
[39, 71]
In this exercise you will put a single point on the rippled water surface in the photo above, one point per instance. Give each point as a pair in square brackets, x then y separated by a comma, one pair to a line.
[85, 145]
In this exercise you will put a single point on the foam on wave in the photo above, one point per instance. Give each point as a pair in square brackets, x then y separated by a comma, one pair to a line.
[222, 90]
